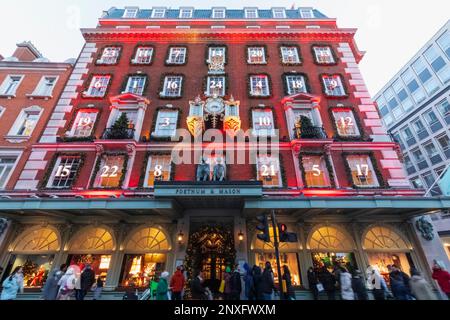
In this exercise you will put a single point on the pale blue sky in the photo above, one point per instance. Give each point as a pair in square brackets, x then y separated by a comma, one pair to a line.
[390, 31]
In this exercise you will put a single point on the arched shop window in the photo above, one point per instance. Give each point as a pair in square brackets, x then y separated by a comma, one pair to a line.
[288, 256]
[92, 245]
[331, 246]
[384, 246]
[145, 257]
[34, 250]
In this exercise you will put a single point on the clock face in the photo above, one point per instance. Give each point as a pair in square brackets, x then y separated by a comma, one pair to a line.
[214, 106]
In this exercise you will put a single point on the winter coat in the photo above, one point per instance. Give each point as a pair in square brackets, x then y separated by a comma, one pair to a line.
[443, 279]
[328, 281]
[398, 287]
[258, 284]
[267, 281]
[177, 281]
[359, 288]
[235, 283]
[87, 279]
[11, 287]
[51, 287]
[249, 286]
[197, 289]
[346, 286]
[67, 284]
[227, 279]
[290, 292]
[312, 279]
[420, 289]
[161, 291]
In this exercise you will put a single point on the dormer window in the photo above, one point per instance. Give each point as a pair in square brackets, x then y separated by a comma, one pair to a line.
[158, 13]
[278, 13]
[218, 13]
[130, 13]
[186, 13]
[306, 13]
[251, 13]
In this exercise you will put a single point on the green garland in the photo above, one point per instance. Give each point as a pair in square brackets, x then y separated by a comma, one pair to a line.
[161, 85]
[327, 163]
[287, 64]
[145, 163]
[324, 90]
[266, 54]
[362, 133]
[372, 158]
[125, 82]
[216, 45]
[269, 84]
[99, 56]
[97, 168]
[284, 80]
[155, 118]
[139, 45]
[177, 64]
[88, 83]
[335, 57]
[69, 125]
[51, 165]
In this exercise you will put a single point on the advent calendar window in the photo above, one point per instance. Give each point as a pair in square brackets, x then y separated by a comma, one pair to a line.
[84, 123]
[259, 86]
[333, 85]
[295, 84]
[98, 86]
[263, 125]
[110, 171]
[362, 171]
[172, 86]
[345, 123]
[290, 55]
[215, 86]
[166, 123]
[177, 55]
[268, 169]
[324, 55]
[256, 55]
[110, 55]
[158, 169]
[64, 172]
[315, 171]
[143, 55]
[136, 84]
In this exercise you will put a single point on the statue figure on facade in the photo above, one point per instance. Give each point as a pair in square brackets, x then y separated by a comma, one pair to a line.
[203, 171]
[219, 172]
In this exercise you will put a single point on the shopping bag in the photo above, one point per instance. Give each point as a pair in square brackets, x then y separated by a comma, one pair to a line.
[222, 286]
[320, 287]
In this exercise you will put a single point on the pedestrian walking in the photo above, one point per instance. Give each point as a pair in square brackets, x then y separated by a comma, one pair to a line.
[249, 284]
[197, 289]
[98, 288]
[258, 283]
[346, 285]
[87, 279]
[13, 284]
[442, 277]
[235, 284]
[177, 284]
[288, 292]
[420, 288]
[313, 281]
[268, 285]
[67, 285]
[376, 283]
[227, 279]
[51, 287]
[358, 286]
[163, 287]
[329, 282]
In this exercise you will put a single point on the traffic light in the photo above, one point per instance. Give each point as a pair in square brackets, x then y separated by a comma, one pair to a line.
[286, 236]
[264, 227]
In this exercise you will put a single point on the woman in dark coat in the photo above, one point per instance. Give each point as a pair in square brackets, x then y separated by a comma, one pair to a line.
[359, 286]
[51, 286]
[329, 282]
[289, 294]
[197, 289]
[257, 283]
[313, 281]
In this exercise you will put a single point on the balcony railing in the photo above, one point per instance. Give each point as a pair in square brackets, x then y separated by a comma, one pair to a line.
[311, 133]
[118, 134]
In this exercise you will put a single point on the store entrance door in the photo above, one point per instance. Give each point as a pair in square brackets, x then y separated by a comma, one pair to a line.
[211, 250]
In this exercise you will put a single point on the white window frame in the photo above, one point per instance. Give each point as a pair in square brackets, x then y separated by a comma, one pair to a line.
[310, 12]
[301, 83]
[323, 51]
[258, 121]
[52, 177]
[147, 58]
[265, 85]
[264, 160]
[285, 56]
[436, 150]
[186, 10]
[179, 80]
[134, 89]
[2, 111]
[251, 50]
[75, 124]
[218, 48]
[127, 12]
[150, 164]
[248, 10]
[159, 120]
[219, 79]
[350, 117]
[322, 168]
[42, 84]
[97, 183]
[283, 13]
[6, 84]
[104, 83]
[158, 9]
[370, 168]
[216, 10]
[13, 132]
[183, 53]
[340, 85]
[110, 59]
[9, 154]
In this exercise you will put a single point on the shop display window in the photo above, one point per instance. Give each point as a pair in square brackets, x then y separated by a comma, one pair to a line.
[332, 259]
[35, 268]
[139, 269]
[288, 259]
[381, 260]
[100, 263]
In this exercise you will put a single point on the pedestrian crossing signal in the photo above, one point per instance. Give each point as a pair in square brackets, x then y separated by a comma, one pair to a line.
[286, 236]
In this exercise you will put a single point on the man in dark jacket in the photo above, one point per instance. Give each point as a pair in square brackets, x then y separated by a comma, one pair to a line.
[313, 281]
[197, 289]
[358, 286]
[87, 279]
[236, 285]
[268, 284]
[329, 283]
